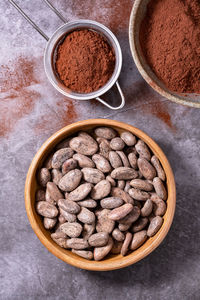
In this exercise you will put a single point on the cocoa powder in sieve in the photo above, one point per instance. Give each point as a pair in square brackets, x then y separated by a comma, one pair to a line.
[85, 61]
[170, 40]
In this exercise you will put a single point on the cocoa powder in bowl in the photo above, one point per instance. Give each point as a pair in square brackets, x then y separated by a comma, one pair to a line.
[170, 41]
[85, 61]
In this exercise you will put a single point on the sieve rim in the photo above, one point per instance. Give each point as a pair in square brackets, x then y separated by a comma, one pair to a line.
[58, 35]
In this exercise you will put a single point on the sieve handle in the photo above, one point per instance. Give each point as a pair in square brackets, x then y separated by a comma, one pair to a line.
[56, 11]
[114, 107]
[28, 19]
[33, 23]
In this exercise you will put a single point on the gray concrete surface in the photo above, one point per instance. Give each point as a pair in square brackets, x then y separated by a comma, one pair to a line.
[31, 110]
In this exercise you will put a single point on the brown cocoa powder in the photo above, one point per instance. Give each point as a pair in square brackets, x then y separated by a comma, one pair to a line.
[18, 99]
[85, 61]
[170, 40]
[66, 113]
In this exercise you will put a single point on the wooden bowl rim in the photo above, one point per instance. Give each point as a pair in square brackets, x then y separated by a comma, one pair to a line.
[140, 66]
[68, 256]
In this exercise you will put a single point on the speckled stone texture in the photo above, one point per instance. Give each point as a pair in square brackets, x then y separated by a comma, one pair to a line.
[31, 110]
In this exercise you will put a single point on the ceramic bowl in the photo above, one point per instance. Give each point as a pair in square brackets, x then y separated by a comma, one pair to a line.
[137, 15]
[111, 262]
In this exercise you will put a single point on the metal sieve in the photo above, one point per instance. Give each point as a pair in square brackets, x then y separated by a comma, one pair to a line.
[57, 38]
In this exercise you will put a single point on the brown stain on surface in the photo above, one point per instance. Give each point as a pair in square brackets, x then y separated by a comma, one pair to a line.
[67, 111]
[159, 109]
[17, 100]
[112, 13]
[71, 114]
[148, 102]
[119, 13]
[64, 114]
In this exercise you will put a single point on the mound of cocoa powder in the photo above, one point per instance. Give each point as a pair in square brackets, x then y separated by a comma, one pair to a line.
[170, 40]
[85, 61]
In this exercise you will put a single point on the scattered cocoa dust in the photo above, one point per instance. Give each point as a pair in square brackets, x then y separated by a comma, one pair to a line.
[16, 100]
[70, 115]
[66, 112]
[119, 13]
[159, 109]
[112, 13]
[149, 102]
[65, 115]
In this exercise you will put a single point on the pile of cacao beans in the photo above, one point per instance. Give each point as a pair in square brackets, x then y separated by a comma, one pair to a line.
[101, 192]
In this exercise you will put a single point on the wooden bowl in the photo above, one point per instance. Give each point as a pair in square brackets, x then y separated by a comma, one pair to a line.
[111, 262]
[137, 15]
